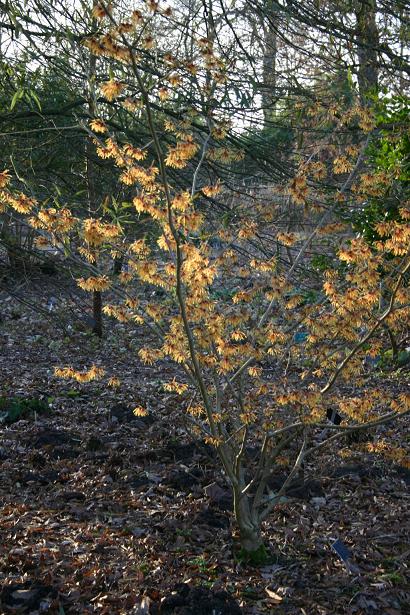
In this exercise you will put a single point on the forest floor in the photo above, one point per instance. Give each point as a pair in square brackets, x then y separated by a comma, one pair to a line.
[103, 512]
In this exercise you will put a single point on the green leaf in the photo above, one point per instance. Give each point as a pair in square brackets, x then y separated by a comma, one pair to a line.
[17, 96]
[16, 408]
[35, 98]
[73, 393]
[350, 78]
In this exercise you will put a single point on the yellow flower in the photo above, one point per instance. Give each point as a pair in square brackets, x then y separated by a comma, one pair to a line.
[238, 336]
[111, 89]
[298, 189]
[4, 178]
[21, 203]
[176, 387]
[97, 283]
[255, 372]
[140, 411]
[135, 152]
[175, 80]
[149, 355]
[212, 190]
[41, 243]
[132, 104]
[140, 247]
[179, 155]
[152, 5]
[287, 239]
[342, 165]
[196, 411]
[136, 17]
[125, 277]
[181, 201]
[163, 93]
[192, 68]
[98, 126]
[248, 417]
[64, 372]
[213, 441]
[95, 373]
[99, 11]
[96, 232]
[68, 372]
[169, 58]
[148, 42]
[117, 311]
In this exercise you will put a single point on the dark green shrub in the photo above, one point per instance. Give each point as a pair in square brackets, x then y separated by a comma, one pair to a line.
[13, 409]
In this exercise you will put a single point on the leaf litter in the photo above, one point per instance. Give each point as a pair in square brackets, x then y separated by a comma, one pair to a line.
[104, 512]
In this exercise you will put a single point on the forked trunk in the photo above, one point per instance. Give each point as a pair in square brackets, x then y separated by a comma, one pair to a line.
[251, 541]
[252, 547]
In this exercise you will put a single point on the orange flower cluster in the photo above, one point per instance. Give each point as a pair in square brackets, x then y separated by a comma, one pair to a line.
[21, 203]
[4, 178]
[96, 233]
[299, 190]
[111, 89]
[287, 239]
[120, 312]
[68, 373]
[94, 284]
[101, 11]
[179, 156]
[176, 387]
[56, 221]
[140, 411]
[98, 126]
[397, 235]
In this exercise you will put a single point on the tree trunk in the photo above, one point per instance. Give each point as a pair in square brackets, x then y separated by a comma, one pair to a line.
[269, 63]
[252, 547]
[117, 266]
[367, 40]
[18, 243]
[91, 184]
[97, 313]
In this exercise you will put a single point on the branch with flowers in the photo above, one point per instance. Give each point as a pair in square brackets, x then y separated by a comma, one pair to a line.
[228, 318]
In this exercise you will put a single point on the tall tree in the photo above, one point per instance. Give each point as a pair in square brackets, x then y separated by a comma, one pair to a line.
[367, 41]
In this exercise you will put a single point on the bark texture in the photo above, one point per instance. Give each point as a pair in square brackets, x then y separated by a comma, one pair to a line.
[367, 41]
